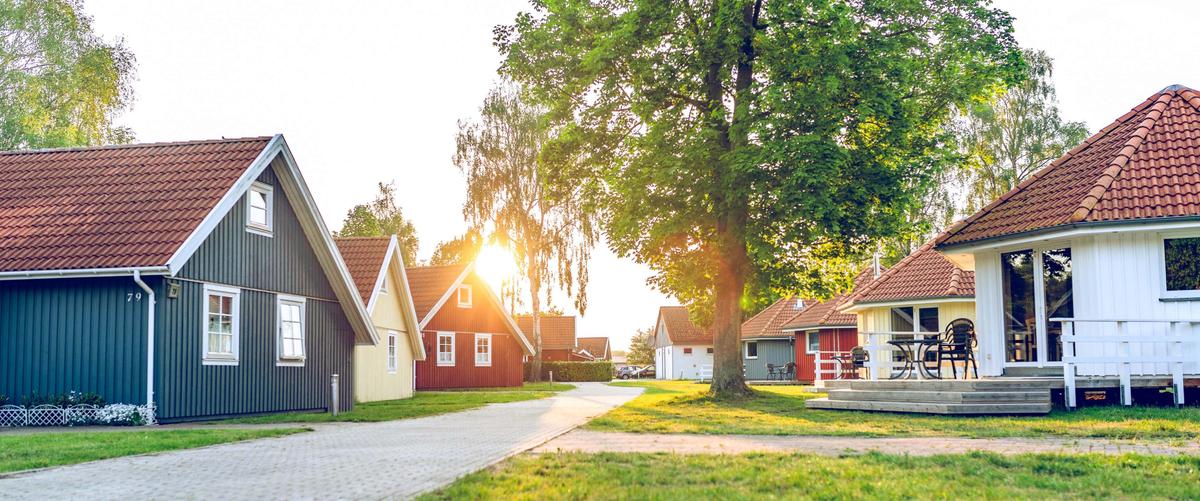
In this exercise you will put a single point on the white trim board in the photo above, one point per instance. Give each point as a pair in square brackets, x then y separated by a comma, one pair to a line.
[487, 291]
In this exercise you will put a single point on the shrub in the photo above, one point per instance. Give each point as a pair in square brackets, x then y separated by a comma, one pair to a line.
[574, 371]
[119, 415]
[62, 399]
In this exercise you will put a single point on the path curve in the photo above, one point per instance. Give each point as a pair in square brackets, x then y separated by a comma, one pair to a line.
[395, 459]
[599, 441]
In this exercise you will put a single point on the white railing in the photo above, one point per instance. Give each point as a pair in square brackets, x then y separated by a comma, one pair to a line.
[706, 372]
[826, 358]
[1173, 340]
[881, 355]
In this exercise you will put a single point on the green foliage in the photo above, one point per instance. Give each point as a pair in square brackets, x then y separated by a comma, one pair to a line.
[574, 371]
[814, 476]
[641, 348]
[738, 146]
[61, 399]
[1007, 138]
[60, 83]
[1182, 263]
[380, 218]
[460, 250]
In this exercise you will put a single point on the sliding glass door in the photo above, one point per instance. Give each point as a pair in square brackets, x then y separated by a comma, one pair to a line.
[1036, 287]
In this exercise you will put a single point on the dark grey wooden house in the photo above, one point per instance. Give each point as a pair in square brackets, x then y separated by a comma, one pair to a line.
[196, 276]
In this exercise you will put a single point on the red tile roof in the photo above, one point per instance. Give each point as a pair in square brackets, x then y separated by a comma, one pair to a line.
[428, 284]
[1145, 165]
[680, 328]
[115, 206]
[558, 332]
[924, 274]
[825, 313]
[597, 346]
[364, 258]
[769, 322]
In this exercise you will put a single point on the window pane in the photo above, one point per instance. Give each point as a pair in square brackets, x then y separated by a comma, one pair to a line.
[1182, 257]
[1020, 317]
[226, 344]
[902, 319]
[226, 305]
[929, 320]
[751, 349]
[1056, 276]
[814, 341]
[214, 304]
[226, 324]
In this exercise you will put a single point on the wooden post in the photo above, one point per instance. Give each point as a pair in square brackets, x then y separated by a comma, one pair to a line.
[1069, 365]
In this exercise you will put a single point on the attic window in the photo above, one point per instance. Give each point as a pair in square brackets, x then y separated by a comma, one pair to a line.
[259, 212]
[464, 296]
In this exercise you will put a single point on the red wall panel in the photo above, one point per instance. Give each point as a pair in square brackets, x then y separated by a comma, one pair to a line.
[840, 340]
[483, 317]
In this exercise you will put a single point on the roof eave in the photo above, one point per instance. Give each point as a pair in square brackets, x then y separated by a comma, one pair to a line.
[1000, 240]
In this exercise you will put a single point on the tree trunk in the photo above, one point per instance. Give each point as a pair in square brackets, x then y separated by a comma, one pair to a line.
[729, 381]
[535, 304]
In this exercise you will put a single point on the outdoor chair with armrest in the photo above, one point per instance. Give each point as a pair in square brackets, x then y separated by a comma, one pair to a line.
[958, 345]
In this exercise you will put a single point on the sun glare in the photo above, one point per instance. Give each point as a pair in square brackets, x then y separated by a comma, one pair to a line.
[495, 264]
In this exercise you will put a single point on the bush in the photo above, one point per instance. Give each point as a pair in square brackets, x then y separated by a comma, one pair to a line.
[569, 372]
[61, 399]
[120, 415]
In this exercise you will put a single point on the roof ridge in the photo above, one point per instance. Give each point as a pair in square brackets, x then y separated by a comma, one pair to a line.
[1114, 168]
[955, 278]
[1040, 173]
[892, 271]
[386, 237]
[136, 145]
[774, 314]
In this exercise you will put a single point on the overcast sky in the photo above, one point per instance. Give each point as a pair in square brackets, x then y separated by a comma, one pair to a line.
[371, 91]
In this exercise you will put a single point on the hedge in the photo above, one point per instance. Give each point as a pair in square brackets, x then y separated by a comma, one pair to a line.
[573, 371]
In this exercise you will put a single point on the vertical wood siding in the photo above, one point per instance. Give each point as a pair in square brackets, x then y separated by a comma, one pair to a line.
[831, 340]
[483, 317]
[770, 351]
[84, 335]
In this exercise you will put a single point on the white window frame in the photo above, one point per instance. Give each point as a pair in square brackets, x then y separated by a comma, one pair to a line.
[280, 359]
[392, 352]
[268, 193]
[1161, 250]
[437, 349]
[808, 337]
[475, 349]
[746, 350]
[208, 357]
[470, 296]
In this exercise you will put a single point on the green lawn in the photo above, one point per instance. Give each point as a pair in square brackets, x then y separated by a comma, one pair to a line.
[423, 403]
[21, 451]
[799, 476]
[683, 407]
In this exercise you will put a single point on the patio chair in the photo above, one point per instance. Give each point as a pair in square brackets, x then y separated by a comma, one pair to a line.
[771, 371]
[852, 362]
[958, 345]
[789, 371]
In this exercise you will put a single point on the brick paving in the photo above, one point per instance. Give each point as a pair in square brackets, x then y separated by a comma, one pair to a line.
[593, 441]
[396, 459]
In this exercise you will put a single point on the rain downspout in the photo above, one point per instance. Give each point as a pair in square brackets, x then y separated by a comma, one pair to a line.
[137, 277]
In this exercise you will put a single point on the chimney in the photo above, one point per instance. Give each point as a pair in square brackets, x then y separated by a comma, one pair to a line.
[875, 263]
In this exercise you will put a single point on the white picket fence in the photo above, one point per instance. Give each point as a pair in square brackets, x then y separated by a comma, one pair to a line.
[1141, 346]
[75, 415]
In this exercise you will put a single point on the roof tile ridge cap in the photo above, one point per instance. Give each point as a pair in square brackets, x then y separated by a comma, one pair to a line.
[1191, 97]
[955, 279]
[834, 304]
[1038, 174]
[1131, 146]
[892, 271]
[777, 313]
[157, 144]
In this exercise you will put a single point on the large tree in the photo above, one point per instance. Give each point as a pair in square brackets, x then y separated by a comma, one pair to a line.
[1007, 138]
[380, 218]
[532, 206]
[748, 144]
[459, 250]
[641, 348]
[60, 83]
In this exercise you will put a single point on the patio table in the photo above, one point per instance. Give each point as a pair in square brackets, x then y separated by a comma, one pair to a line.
[913, 352]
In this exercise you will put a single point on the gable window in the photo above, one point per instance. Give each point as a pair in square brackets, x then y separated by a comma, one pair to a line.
[464, 296]
[221, 325]
[687, 351]
[291, 330]
[812, 342]
[391, 352]
[483, 350]
[1181, 267]
[752, 349]
[445, 348]
[259, 212]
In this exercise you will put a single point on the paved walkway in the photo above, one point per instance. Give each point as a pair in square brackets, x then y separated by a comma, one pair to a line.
[593, 441]
[396, 459]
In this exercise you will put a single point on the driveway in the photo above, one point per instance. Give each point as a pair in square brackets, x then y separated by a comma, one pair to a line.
[396, 459]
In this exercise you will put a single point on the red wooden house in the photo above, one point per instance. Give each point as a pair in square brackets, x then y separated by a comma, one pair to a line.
[820, 329]
[470, 339]
[558, 337]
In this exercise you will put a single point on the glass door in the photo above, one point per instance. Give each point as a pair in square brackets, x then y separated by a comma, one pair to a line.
[1036, 287]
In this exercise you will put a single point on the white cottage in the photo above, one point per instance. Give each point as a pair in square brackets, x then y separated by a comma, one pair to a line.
[682, 350]
[1092, 265]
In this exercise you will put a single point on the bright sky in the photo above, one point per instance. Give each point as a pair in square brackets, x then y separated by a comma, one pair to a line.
[371, 91]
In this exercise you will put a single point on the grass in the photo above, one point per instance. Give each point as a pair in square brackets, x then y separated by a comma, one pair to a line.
[683, 407]
[20, 451]
[798, 476]
[423, 403]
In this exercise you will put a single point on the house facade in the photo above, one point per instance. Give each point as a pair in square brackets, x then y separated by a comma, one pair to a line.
[195, 278]
[386, 370]
[682, 350]
[469, 338]
[596, 348]
[765, 343]
[1091, 263]
[558, 337]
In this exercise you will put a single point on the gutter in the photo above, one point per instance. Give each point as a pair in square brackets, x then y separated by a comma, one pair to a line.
[83, 273]
[1083, 225]
[137, 278]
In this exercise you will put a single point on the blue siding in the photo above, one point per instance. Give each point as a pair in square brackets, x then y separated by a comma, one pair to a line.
[770, 351]
[65, 335]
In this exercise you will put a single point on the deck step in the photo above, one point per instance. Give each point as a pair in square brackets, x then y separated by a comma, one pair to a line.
[941, 385]
[930, 407]
[943, 396]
